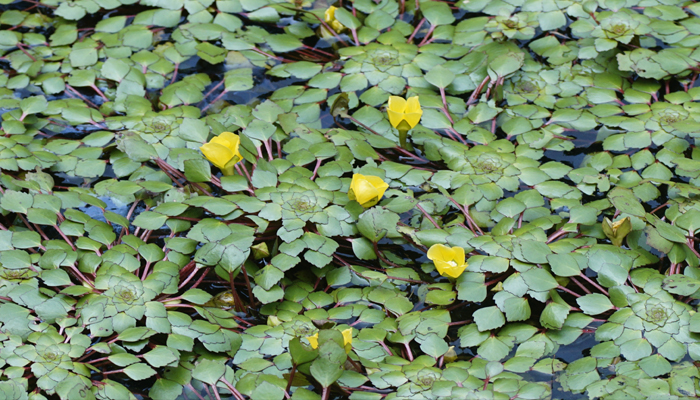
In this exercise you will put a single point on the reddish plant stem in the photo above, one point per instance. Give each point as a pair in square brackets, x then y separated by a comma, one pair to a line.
[354, 36]
[177, 67]
[83, 98]
[232, 388]
[189, 276]
[408, 351]
[319, 51]
[216, 392]
[247, 284]
[238, 304]
[222, 94]
[291, 378]
[555, 235]
[579, 284]
[99, 92]
[268, 147]
[597, 286]
[242, 171]
[21, 47]
[386, 348]
[410, 38]
[427, 35]
[318, 164]
[569, 291]
[418, 206]
[476, 92]
[218, 85]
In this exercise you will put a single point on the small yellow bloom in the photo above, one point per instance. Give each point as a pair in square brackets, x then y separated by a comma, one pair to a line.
[617, 231]
[223, 152]
[329, 17]
[367, 190]
[449, 261]
[404, 114]
[347, 340]
[313, 340]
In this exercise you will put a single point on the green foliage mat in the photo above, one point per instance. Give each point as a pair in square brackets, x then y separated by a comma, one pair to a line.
[557, 147]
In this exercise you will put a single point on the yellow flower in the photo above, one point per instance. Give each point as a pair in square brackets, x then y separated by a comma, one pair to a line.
[449, 261]
[404, 114]
[367, 190]
[617, 231]
[313, 340]
[223, 152]
[329, 17]
[347, 340]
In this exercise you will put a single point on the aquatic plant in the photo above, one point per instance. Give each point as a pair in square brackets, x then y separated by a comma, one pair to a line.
[358, 199]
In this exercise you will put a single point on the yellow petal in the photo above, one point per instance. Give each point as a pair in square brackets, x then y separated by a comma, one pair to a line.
[448, 269]
[221, 141]
[413, 105]
[219, 155]
[313, 340]
[347, 336]
[356, 179]
[378, 184]
[337, 26]
[459, 255]
[366, 194]
[329, 15]
[413, 118]
[232, 138]
[395, 118]
[367, 190]
[397, 104]
[440, 252]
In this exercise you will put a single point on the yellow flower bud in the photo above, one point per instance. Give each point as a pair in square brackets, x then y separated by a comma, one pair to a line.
[347, 340]
[404, 114]
[449, 261]
[617, 231]
[329, 17]
[367, 190]
[313, 340]
[223, 152]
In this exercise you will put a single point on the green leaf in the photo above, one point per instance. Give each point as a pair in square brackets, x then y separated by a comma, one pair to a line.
[624, 200]
[325, 371]
[437, 13]
[139, 371]
[539, 280]
[655, 365]
[440, 77]
[488, 318]
[33, 105]
[197, 296]
[209, 371]
[594, 304]
[197, 170]
[376, 223]
[635, 349]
